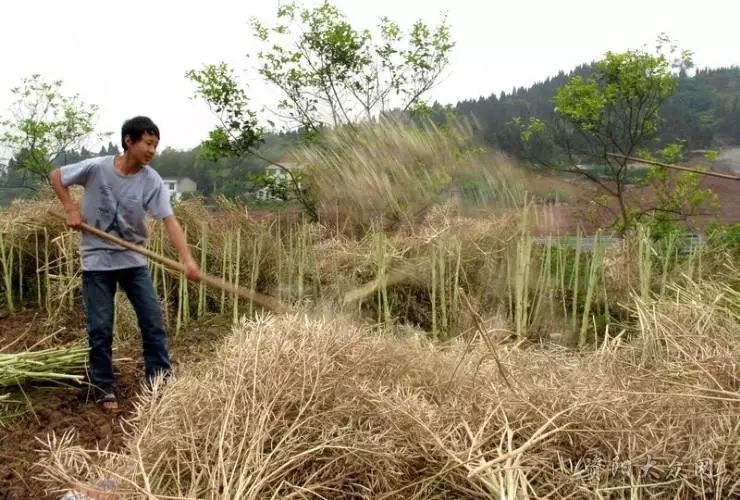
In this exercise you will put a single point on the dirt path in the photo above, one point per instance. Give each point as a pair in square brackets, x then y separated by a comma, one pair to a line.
[58, 408]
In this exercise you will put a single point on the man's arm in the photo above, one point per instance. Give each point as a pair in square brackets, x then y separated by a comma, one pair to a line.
[177, 237]
[74, 217]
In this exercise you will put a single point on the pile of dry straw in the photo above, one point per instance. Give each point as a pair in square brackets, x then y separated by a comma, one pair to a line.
[310, 407]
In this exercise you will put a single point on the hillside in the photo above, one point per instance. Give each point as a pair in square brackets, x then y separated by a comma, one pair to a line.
[704, 110]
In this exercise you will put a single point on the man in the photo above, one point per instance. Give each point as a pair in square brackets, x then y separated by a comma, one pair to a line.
[119, 191]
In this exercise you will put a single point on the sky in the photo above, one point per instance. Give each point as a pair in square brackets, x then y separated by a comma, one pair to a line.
[130, 58]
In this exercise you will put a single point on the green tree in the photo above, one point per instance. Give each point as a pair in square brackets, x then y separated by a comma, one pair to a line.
[608, 116]
[44, 123]
[329, 74]
[238, 133]
[676, 196]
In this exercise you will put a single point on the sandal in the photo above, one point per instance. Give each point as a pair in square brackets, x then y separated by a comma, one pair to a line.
[108, 402]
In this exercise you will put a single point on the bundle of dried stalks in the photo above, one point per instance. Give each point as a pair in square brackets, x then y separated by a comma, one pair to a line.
[59, 363]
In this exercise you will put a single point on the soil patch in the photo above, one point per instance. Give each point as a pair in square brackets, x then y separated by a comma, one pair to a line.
[53, 408]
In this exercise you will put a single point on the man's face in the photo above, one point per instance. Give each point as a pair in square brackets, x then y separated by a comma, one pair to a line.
[145, 149]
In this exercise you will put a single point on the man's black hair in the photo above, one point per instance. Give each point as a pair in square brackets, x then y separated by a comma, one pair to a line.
[137, 127]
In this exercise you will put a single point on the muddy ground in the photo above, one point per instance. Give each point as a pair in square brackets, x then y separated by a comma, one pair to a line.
[54, 408]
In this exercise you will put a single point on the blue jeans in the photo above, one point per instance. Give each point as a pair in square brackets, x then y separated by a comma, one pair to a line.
[98, 292]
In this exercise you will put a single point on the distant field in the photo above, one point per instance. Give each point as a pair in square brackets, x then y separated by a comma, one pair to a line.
[579, 196]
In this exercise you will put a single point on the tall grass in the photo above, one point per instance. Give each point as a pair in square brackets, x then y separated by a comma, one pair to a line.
[392, 172]
[544, 286]
[6, 260]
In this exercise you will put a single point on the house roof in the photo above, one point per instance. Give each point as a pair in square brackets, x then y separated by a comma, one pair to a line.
[290, 165]
[176, 179]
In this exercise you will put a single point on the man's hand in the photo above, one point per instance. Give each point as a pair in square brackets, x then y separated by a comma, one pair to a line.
[192, 271]
[74, 218]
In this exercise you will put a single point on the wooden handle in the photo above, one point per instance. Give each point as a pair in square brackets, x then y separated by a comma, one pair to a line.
[676, 167]
[262, 300]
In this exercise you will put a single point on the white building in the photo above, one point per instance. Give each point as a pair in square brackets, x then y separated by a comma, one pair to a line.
[280, 174]
[178, 185]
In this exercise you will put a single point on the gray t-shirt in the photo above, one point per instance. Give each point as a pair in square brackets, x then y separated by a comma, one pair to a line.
[116, 204]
